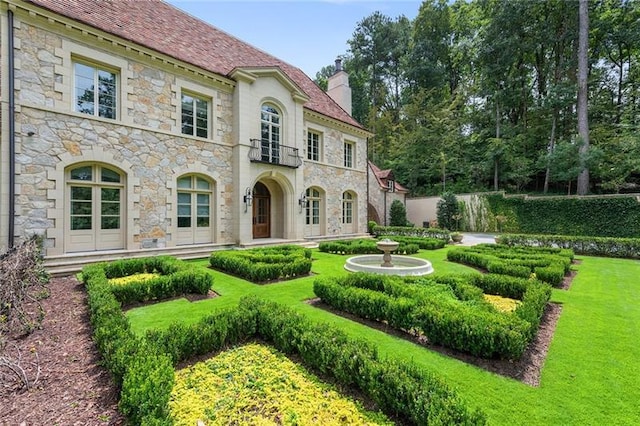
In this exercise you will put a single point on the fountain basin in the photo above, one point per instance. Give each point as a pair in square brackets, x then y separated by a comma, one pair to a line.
[402, 265]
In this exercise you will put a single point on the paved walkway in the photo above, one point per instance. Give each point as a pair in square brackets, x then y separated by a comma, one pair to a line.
[473, 238]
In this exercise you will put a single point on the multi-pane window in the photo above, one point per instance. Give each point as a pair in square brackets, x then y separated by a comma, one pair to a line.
[347, 208]
[313, 206]
[95, 198]
[313, 146]
[194, 202]
[195, 116]
[95, 91]
[270, 125]
[348, 154]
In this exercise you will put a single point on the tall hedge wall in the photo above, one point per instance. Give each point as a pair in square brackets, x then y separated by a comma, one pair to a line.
[600, 217]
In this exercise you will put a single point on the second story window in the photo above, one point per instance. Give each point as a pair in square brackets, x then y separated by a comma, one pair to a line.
[270, 133]
[95, 90]
[313, 146]
[348, 154]
[195, 116]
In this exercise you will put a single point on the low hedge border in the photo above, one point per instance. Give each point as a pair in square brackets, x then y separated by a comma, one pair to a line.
[424, 243]
[548, 264]
[468, 324]
[144, 367]
[264, 264]
[591, 246]
[363, 246]
[409, 231]
[176, 278]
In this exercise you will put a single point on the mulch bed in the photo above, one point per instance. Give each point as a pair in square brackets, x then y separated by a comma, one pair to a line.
[73, 389]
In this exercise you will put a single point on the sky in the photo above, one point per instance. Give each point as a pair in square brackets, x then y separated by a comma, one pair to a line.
[309, 34]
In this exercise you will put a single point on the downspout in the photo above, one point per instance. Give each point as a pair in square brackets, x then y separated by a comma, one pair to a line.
[366, 147]
[12, 132]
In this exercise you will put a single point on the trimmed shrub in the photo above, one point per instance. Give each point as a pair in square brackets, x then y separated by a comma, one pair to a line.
[448, 212]
[393, 231]
[364, 246]
[432, 307]
[264, 264]
[548, 264]
[591, 246]
[397, 214]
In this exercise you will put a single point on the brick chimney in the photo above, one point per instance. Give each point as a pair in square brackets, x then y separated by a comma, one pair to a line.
[338, 87]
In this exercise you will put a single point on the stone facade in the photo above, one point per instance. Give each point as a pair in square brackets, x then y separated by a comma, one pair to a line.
[145, 146]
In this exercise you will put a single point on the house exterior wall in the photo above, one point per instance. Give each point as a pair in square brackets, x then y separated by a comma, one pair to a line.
[380, 199]
[146, 145]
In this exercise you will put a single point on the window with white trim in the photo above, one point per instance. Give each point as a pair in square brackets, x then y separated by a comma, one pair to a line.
[314, 146]
[195, 115]
[270, 125]
[348, 154]
[95, 90]
[347, 208]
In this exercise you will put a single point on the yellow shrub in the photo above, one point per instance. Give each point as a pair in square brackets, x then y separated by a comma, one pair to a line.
[132, 278]
[257, 385]
[503, 304]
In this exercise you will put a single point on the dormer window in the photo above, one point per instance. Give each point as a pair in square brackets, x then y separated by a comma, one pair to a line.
[391, 185]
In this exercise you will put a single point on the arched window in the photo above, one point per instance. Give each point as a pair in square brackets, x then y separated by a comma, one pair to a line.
[194, 219]
[348, 212]
[95, 200]
[270, 125]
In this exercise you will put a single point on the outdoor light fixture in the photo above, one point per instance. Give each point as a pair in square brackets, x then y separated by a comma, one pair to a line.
[303, 202]
[248, 197]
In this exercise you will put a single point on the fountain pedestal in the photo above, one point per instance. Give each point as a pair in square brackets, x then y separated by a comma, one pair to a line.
[387, 246]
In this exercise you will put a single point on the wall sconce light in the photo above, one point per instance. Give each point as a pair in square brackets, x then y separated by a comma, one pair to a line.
[248, 197]
[303, 202]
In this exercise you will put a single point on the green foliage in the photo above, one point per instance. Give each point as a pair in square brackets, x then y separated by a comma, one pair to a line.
[176, 279]
[600, 217]
[146, 388]
[547, 263]
[397, 214]
[144, 367]
[264, 264]
[448, 310]
[371, 225]
[592, 246]
[409, 231]
[398, 388]
[448, 212]
[364, 246]
[424, 243]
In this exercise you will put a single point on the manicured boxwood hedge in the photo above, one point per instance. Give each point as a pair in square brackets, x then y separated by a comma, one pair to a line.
[409, 231]
[549, 264]
[449, 310]
[424, 243]
[264, 264]
[176, 278]
[144, 367]
[598, 216]
[363, 246]
[592, 246]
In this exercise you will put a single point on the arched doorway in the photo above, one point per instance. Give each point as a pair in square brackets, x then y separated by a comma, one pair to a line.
[261, 211]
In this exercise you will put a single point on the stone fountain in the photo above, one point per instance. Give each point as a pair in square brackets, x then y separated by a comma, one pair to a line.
[386, 264]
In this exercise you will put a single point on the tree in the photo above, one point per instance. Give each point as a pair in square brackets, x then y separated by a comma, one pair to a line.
[582, 106]
[397, 214]
[448, 212]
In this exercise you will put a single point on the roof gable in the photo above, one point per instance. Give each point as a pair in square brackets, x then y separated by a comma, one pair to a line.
[162, 27]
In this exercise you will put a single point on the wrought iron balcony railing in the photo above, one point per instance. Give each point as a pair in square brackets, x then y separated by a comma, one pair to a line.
[265, 151]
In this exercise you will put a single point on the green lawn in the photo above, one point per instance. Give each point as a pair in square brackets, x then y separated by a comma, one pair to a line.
[590, 376]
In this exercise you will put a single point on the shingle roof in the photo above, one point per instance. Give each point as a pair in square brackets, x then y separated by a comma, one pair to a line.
[384, 176]
[162, 27]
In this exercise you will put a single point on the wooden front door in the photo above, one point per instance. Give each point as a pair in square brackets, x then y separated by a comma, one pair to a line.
[261, 212]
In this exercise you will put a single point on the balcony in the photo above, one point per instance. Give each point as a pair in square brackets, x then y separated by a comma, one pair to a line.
[263, 151]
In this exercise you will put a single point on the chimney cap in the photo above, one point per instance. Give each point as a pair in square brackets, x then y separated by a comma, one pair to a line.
[338, 65]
